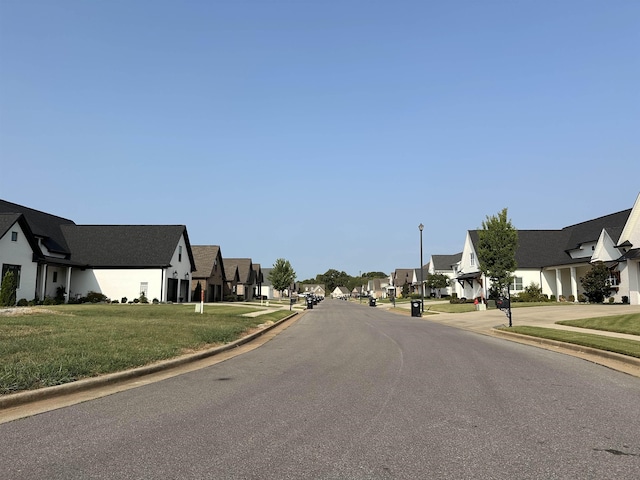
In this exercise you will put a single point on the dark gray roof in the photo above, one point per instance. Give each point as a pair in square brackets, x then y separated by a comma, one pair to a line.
[265, 275]
[42, 225]
[590, 231]
[545, 248]
[445, 262]
[125, 246]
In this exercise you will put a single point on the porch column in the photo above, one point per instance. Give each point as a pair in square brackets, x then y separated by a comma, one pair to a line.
[163, 286]
[43, 286]
[574, 284]
[558, 284]
[66, 298]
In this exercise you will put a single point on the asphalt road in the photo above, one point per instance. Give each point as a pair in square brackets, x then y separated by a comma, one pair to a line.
[350, 392]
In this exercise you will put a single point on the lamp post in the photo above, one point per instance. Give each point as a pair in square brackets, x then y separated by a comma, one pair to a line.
[421, 227]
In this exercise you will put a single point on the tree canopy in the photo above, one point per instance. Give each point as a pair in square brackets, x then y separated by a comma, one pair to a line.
[282, 275]
[596, 283]
[496, 250]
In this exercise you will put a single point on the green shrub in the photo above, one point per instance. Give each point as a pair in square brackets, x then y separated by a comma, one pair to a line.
[8, 290]
[143, 298]
[23, 302]
[625, 299]
[611, 300]
[582, 298]
[124, 300]
[96, 297]
[571, 299]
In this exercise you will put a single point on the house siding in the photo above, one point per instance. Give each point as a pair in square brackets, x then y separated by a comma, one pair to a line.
[20, 253]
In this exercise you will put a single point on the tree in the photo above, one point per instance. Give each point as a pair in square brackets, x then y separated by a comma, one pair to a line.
[437, 281]
[332, 279]
[596, 283]
[282, 275]
[8, 290]
[496, 249]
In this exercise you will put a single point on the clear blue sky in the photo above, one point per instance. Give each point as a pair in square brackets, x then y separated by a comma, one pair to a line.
[322, 132]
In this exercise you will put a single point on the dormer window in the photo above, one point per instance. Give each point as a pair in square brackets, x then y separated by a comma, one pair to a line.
[472, 259]
[14, 236]
[180, 253]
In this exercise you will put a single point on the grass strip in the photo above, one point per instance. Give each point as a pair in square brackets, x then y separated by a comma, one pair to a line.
[629, 323]
[600, 342]
[59, 344]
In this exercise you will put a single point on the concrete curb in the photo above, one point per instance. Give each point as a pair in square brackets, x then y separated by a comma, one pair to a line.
[633, 361]
[20, 398]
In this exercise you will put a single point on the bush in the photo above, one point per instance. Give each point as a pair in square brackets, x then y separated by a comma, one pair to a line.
[96, 297]
[611, 300]
[571, 299]
[143, 298]
[22, 302]
[8, 290]
[582, 298]
[231, 298]
[49, 301]
[155, 301]
[124, 300]
[625, 299]
[115, 301]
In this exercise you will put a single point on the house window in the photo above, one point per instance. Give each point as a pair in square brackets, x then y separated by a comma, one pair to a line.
[472, 259]
[614, 278]
[14, 236]
[517, 284]
[55, 277]
[180, 253]
[12, 268]
[144, 288]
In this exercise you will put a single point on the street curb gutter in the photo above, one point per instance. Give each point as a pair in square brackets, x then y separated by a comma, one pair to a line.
[15, 399]
[633, 361]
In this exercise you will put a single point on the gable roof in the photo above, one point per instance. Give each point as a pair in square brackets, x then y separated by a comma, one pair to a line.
[8, 220]
[43, 225]
[545, 248]
[231, 272]
[445, 262]
[266, 282]
[205, 257]
[403, 275]
[245, 269]
[125, 246]
[590, 230]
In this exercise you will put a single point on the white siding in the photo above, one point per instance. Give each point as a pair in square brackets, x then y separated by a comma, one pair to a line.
[117, 283]
[20, 253]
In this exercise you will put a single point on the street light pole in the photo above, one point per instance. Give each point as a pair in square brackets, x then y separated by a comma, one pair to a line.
[421, 227]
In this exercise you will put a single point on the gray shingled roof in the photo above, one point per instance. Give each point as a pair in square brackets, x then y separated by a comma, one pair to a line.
[589, 231]
[545, 248]
[42, 225]
[125, 246]
[445, 262]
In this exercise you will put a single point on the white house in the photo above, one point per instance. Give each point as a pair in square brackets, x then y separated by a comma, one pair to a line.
[19, 252]
[555, 260]
[444, 265]
[115, 260]
[340, 292]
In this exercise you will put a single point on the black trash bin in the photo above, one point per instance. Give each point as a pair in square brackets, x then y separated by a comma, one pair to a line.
[416, 310]
[372, 302]
[309, 303]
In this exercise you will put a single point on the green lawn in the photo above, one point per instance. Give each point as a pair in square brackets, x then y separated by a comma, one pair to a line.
[63, 343]
[622, 323]
[611, 344]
